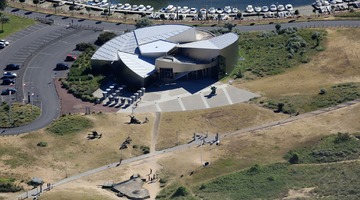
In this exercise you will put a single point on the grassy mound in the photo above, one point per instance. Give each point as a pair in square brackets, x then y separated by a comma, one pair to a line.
[17, 115]
[70, 124]
[333, 148]
[272, 52]
[327, 97]
[340, 181]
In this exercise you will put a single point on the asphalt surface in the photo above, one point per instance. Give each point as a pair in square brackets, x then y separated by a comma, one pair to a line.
[34, 46]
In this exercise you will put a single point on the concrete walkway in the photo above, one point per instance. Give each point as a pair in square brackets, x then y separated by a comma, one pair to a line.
[185, 95]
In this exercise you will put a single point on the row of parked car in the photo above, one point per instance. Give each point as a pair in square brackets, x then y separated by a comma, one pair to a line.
[8, 78]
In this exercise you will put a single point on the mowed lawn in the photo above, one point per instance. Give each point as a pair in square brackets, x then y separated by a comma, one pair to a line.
[15, 24]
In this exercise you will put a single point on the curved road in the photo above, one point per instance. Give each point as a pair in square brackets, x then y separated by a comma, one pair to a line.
[38, 73]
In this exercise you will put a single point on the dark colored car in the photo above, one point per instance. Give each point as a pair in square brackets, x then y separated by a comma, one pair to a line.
[61, 66]
[8, 91]
[70, 57]
[7, 81]
[12, 66]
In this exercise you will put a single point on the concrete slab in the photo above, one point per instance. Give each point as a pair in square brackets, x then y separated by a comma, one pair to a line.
[188, 96]
[193, 102]
[218, 100]
[172, 105]
[239, 95]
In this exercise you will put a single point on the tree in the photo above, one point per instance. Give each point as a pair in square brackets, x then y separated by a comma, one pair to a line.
[104, 37]
[317, 37]
[55, 5]
[36, 2]
[3, 4]
[277, 27]
[239, 16]
[314, 11]
[280, 107]
[297, 12]
[3, 19]
[229, 26]
[162, 17]
[143, 22]
[88, 9]
[22, 3]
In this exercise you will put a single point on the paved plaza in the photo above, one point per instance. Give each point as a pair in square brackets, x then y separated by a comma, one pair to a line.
[186, 95]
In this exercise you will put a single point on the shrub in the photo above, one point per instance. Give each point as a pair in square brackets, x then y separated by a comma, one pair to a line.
[90, 76]
[104, 37]
[254, 169]
[145, 149]
[342, 137]
[294, 159]
[84, 46]
[322, 91]
[180, 192]
[42, 144]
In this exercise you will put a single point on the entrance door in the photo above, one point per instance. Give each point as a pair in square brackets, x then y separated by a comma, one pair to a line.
[166, 73]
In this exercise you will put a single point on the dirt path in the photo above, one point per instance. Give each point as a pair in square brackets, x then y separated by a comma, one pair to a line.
[154, 132]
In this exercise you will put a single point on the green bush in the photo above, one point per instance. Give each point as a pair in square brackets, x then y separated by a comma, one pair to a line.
[180, 192]
[84, 46]
[294, 159]
[104, 37]
[42, 144]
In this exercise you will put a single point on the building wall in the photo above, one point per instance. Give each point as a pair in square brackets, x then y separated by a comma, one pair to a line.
[204, 55]
[231, 54]
[181, 67]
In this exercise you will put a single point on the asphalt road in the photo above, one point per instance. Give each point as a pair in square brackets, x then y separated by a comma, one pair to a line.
[34, 46]
[39, 52]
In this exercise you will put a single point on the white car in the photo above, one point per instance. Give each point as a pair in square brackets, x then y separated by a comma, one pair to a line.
[5, 42]
[9, 75]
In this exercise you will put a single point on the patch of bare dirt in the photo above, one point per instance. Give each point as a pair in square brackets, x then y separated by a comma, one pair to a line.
[303, 193]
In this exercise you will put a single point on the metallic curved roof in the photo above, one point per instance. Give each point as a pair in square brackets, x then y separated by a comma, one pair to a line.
[153, 42]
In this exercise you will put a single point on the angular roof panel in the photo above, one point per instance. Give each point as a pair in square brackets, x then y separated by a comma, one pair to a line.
[156, 49]
[218, 42]
[136, 64]
[161, 32]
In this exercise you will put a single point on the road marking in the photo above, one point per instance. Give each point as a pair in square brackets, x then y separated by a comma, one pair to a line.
[49, 54]
[227, 96]
[181, 104]
[204, 100]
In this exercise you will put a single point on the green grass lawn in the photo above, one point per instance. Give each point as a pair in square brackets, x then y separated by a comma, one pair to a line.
[15, 24]
[70, 124]
[326, 97]
[18, 114]
[272, 52]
